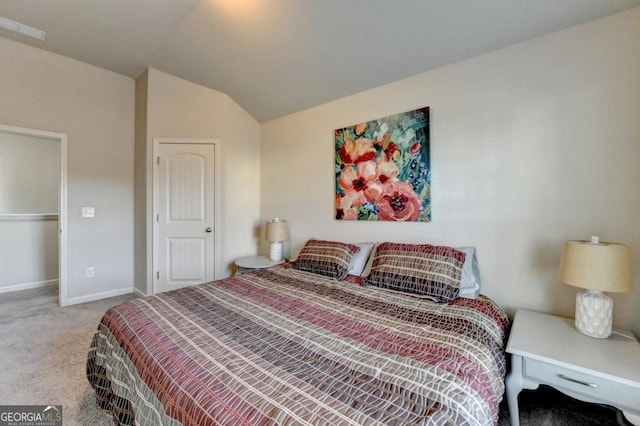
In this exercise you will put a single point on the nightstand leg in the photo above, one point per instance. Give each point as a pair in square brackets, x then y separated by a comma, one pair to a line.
[514, 386]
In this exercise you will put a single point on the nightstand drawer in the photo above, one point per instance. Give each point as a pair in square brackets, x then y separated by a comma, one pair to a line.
[582, 384]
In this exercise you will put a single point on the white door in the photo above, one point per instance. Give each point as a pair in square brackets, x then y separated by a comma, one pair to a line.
[185, 215]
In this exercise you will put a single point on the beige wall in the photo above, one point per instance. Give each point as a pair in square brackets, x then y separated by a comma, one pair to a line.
[29, 171]
[28, 251]
[95, 109]
[177, 108]
[531, 145]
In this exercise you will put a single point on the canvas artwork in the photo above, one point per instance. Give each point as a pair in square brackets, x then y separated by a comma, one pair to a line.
[383, 169]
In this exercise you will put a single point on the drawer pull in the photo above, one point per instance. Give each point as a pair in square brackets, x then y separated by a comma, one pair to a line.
[580, 382]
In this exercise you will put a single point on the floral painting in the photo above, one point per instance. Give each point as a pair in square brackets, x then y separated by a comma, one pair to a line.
[383, 169]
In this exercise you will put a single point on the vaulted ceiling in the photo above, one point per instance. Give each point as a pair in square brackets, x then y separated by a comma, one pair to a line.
[276, 57]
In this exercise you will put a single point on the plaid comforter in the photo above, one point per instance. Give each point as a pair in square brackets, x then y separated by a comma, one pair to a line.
[280, 346]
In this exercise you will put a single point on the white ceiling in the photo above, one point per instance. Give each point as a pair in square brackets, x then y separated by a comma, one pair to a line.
[275, 57]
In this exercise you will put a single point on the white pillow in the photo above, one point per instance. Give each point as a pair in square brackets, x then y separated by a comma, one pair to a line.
[367, 268]
[470, 279]
[359, 260]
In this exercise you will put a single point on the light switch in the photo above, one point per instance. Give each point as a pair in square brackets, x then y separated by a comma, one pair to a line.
[88, 212]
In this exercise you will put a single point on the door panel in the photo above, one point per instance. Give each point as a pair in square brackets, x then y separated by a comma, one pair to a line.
[186, 187]
[185, 215]
[187, 258]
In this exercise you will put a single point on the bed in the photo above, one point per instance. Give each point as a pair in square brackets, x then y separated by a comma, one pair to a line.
[295, 344]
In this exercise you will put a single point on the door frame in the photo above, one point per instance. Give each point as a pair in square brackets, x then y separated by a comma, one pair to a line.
[217, 229]
[61, 138]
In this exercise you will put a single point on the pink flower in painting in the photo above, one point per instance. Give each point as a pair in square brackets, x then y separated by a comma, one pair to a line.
[356, 152]
[399, 202]
[344, 209]
[386, 169]
[358, 183]
[415, 149]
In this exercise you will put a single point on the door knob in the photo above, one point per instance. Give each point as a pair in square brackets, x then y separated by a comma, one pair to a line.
[208, 229]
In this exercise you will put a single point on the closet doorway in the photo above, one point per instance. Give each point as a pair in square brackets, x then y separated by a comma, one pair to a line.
[30, 218]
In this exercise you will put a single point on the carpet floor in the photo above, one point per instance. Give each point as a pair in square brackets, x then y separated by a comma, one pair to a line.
[44, 349]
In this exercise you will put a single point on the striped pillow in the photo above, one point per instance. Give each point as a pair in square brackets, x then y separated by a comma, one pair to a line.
[329, 258]
[422, 269]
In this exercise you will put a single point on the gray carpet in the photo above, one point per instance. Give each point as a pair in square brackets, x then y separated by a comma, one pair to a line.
[548, 407]
[44, 349]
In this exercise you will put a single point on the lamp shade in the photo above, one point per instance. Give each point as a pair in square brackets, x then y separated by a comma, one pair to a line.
[276, 230]
[596, 265]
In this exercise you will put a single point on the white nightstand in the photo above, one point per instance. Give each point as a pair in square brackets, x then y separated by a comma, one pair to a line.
[250, 263]
[549, 350]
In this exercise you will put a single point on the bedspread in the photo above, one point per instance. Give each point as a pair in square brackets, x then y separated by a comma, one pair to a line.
[281, 346]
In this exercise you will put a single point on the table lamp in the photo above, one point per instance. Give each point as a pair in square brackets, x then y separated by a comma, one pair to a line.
[596, 266]
[276, 232]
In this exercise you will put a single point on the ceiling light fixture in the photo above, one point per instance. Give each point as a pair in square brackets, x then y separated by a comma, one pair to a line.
[22, 28]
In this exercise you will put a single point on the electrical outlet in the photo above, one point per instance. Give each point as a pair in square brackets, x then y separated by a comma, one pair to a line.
[91, 272]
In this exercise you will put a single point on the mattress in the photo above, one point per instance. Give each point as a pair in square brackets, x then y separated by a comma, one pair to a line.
[283, 346]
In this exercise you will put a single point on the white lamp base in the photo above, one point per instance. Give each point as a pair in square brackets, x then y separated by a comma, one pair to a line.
[594, 311]
[275, 251]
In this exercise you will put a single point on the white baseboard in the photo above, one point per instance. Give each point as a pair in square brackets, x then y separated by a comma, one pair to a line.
[99, 296]
[139, 293]
[27, 286]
